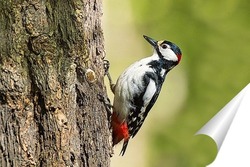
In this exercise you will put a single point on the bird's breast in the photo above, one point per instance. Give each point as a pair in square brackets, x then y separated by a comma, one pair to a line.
[128, 85]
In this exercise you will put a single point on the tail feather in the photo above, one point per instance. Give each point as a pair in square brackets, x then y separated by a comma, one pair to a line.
[124, 147]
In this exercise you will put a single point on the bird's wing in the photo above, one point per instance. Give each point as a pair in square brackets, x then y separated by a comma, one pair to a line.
[143, 102]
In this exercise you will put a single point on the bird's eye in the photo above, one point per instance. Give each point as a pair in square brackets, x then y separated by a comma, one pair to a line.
[164, 46]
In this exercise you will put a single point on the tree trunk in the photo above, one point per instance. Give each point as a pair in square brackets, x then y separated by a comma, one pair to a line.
[50, 114]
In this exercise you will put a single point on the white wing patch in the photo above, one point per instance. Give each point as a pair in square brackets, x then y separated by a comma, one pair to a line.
[149, 93]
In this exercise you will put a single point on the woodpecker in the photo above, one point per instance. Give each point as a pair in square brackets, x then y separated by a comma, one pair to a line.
[138, 88]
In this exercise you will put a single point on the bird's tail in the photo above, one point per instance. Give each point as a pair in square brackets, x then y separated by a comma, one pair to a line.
[124, 147]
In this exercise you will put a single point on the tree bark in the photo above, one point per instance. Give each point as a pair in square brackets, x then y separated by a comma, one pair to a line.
[50, 114]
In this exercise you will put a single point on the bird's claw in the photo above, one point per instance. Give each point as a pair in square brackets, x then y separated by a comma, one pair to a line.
[106, 103]
[106, 67]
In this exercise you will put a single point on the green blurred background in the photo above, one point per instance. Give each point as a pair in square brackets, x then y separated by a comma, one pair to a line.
[214, 38]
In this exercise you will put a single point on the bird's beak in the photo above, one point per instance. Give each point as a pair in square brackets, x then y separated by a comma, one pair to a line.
[151, 41]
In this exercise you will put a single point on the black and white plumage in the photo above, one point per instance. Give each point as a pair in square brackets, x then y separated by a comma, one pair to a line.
[138, 88]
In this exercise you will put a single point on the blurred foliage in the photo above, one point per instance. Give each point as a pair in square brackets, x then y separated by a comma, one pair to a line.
[214, 37]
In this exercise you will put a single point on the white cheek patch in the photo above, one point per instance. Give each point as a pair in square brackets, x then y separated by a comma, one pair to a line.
[168, 54]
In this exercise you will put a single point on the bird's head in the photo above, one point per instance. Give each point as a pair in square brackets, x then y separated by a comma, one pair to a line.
[166, 49]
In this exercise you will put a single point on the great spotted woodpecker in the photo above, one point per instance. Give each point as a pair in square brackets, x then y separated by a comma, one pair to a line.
[137, 89]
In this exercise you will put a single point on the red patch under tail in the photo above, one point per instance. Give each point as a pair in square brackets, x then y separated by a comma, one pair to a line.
[120, 130]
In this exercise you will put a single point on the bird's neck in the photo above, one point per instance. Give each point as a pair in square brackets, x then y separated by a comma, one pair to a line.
[160, 62]
[161, 65]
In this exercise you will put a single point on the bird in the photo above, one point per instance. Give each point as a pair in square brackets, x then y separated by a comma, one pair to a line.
[137, 89]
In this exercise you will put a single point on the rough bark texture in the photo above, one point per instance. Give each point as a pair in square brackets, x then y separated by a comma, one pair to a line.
[50, 114]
